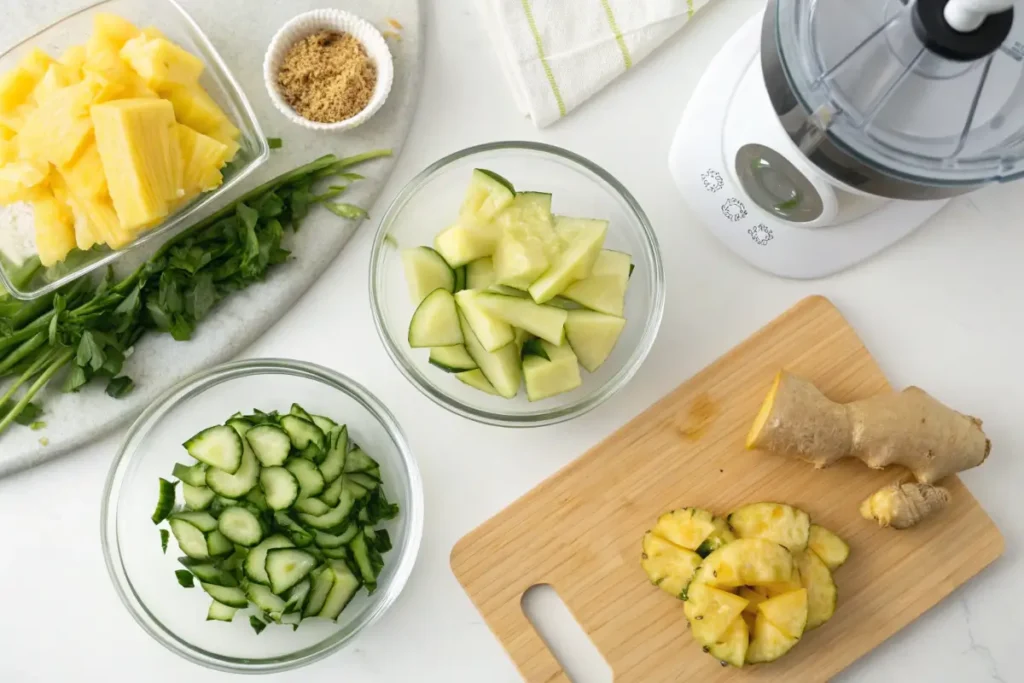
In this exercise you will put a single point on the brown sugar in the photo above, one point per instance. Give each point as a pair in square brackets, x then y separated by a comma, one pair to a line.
[327, 77]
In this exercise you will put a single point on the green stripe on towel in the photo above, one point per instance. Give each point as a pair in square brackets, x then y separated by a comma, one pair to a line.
[543, 59]
[626, 57]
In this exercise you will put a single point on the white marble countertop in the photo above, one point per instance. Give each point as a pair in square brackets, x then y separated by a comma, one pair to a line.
[942, 310]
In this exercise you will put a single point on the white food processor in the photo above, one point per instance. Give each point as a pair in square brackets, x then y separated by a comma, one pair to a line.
[826, 130]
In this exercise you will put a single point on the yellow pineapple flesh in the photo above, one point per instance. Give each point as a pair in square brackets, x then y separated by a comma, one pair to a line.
[161, 63]
[84, 236]
[195, 108]
[19, 180]
[54, 225]
[36, 62]
[57, 77]
[141, 159]
[84, 176]
[202, 158]
[15, 88]
[60, 127]
[114, 30]
[73, 57]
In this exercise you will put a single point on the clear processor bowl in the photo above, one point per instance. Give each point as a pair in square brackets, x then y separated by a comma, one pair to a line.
[143, 576]
[579, 187]
[172, 20]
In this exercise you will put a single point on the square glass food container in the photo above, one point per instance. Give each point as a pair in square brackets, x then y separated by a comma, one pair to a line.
[174, 22]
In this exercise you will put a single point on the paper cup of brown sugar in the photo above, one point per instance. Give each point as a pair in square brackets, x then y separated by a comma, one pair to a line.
[328, 70]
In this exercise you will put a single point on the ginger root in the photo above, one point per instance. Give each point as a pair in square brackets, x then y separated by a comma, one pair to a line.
[909, 428]
[902, 505]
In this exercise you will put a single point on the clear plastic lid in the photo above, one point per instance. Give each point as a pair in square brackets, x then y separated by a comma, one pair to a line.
[935, 106]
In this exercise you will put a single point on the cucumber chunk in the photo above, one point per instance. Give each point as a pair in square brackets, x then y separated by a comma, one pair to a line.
[592, 336]
[190, 539]
[326, 424]
[200, 520]
[604, 290]
[219, 545]
[219, 447]
[193, 476]
[452, 358]
[220, 612]
[256, 560]
[435, 322]
[311, 482]
[302, 432]
[238, 484]
[280, 487]
[491, 332]
[464, 242]
[208, 572]
[343, 588]
[164, 501]
[546, 322]
[488, 193]
[270, 443]
[425, 271]
[359, 461]
[230, 596]
[547, 378]
[312, 506]
[295, 599]
[265, 600]
[197, 497]
[480, 273]
[501, 368]
[334, 464]
[336, 516]
[528, 240]
[240, 526]
[476, 379]
[287, 566]
[323, 580]
[460, 278]
[584, 238]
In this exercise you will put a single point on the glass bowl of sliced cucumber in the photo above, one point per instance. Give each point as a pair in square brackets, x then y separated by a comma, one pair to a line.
[261, 514]
[516, 284]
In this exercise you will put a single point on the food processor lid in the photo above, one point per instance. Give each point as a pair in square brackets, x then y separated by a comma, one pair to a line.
[930, 92]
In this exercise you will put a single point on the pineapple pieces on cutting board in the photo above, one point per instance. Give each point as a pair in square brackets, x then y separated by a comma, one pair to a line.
[108, 139]
[752, 583]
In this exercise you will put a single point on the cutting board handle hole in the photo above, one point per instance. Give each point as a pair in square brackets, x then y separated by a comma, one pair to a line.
[568, 642]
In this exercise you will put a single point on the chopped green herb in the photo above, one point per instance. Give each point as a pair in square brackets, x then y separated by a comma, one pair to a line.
[165, 536]
[274, 143]
[37, 425]
[184, 578]
[119, 387]
[29, 414]
[346, 210]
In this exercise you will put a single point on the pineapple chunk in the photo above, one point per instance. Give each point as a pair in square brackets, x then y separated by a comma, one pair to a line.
[152, 33]
[14, 119]
[84, 237]
[195, 108]
[73, 57]
[57, 131]
[57, 77]
[711, 611]
[15, 87]
[731, 646]
[786, 525]
[20, 179]
[8, 151]
[113, 29]
[668, 566]
[202, 158]
[106, 68]
[747, 561]
[55, 232]
[787, 612]
[84, 176]
[103, 221]
[141, 158]
[768, 642]
[161, 63]
[689, 527]
[36, 63]
[832, 550]
[7, 133]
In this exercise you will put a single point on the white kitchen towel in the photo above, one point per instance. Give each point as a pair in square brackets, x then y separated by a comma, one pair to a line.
[557, 53]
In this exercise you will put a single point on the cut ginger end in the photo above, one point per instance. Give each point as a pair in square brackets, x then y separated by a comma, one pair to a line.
[762, 415]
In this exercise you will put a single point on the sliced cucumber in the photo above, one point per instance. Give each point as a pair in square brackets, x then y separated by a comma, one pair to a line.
[344, 585]
[265, 600]
[480, 273]
[326, 424]
[295, 531]
[340, 553]
[466, 242]
[338, 514]
[547, 378]
[452, 358]
[219, 447]
[295, 599]
[546, 322]
[334, 464]
[231, 596]
[311, 482]
[302, 432]
[312, 506]
[208, 572]
[325, 540]
[256, 560]
[528, 241]
[534, 347]
[592, 336]
[218, 545]
[203, 521]
[359, 461]
[460, 278]
[190, 539]
[193, 476]
[287, 566]
[605, 289]
[235, 485]
[584, 238]
[257, 498]
[501, 368]
[425, 271]
[435, 322]
[164, 501]
[270, 443]
[476, 379]
[323, 580]
[299, 411]
[240, 526]
[280, 487]
[333, 492]
[364, 480]
[197, 497]
[361, 553]
[491, 332]
[220, 612]
[488, 193]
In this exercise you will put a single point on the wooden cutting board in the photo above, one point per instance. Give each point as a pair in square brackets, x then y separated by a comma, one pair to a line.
[580, 531]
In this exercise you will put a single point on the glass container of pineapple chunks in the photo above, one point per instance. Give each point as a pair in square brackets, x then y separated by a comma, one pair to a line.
[131, 172]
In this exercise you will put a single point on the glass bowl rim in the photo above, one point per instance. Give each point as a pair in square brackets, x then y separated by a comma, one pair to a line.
[200, 204]
[186, 389]
[556, 415]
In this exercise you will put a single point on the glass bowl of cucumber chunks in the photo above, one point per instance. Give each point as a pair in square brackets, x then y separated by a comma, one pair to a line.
[516, 284]
[261, 514]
